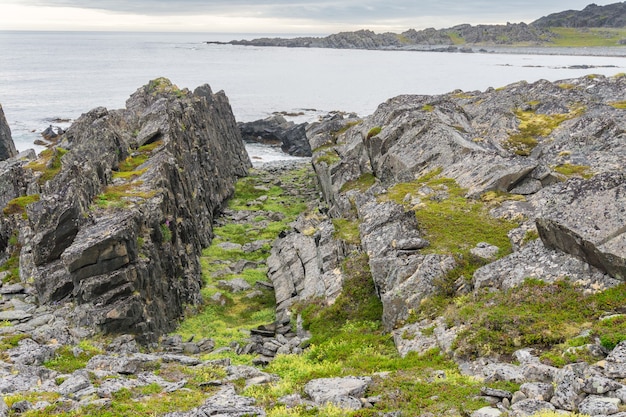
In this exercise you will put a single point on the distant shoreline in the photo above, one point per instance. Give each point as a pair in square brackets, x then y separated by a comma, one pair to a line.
[600, 51]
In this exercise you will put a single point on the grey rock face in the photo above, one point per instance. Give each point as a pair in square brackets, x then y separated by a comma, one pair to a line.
[126, 247]
[586, 219]
[529, 407]
[276, 130]
[7, 147]
[595, 405]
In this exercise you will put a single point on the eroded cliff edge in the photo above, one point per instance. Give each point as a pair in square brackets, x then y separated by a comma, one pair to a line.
[114, 217]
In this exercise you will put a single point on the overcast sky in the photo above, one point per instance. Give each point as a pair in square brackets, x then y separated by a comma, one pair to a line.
[270, 16]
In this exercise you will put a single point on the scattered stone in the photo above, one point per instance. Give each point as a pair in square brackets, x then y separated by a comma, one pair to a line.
[595, 405]
[485, 251]
[529, 407]
[342, 392]
[487, 412]
[234, 285]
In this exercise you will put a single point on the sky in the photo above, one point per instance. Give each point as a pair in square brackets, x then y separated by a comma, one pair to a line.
[270, 16]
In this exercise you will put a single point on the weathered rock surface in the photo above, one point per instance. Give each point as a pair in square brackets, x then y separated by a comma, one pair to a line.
[118, 230]
[366, 39]
[276, 130]
[7, 147]
[587, 218]
[592, 16]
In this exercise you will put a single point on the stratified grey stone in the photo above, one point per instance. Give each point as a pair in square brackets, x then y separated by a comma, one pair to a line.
[14, 315]
[337, 390]
[529, 407]
[29, 352]
[78, 381]
[585, 218]
[599, 385]
[226, 403]
[7, 147]
[537, 390]
[487, 412]
[595, 405]
[234, 285]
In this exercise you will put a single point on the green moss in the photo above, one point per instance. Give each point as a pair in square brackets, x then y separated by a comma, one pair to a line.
[347, 230]
[428, 107]
[571, 170]
[534, 125]
[363, 183]
[48, 163]
[329, 157]
[374, 132]
[456, 38]
[11, 341]
[68, 360]
[536, 314]
[121, 195]
[619, 105]
[452, 223]
[18, 205]
[162, 85]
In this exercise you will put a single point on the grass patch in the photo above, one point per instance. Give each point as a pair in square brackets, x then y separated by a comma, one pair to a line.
[328, 157]
[621, 105]
[48, 164]
[534, 125]
[67, 359]
[536, 314]
[452, 223]
[428, 107]
[348, 340]
[162, 85]
[571, 170]
[584, 37]
[121, 195]
[347, 230]
[11, 341]
[363, 183]
[232, 320]
[18, 205]
[374, 132]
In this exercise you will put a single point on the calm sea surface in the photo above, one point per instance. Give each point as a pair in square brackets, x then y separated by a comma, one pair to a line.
[46, 76]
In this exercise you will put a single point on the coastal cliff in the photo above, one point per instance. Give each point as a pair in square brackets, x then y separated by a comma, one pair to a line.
[113, 218]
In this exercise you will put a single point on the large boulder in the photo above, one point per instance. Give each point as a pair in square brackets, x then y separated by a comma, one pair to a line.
[7, 147]
[276, 130]
[586, 218]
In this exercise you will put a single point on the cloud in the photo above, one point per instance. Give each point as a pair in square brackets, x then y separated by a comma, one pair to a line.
[343, 14]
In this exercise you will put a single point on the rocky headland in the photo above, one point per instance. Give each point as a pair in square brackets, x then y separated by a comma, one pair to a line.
[461, 254]
[529, 38]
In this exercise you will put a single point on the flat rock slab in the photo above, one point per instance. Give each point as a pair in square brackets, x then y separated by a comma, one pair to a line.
[587, 218]
[14, 315]
[337, 390]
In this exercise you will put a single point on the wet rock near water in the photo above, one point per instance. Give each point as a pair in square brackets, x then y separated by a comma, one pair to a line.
[276, 130]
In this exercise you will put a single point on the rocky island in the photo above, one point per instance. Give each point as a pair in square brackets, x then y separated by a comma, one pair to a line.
[460, 254]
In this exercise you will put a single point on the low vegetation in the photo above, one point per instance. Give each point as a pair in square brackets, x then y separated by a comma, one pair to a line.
[587, 37]
[18, 205]
[533, 126]
[48, 164]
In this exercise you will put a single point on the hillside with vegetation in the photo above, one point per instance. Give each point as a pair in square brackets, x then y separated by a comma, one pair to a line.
[592, 26]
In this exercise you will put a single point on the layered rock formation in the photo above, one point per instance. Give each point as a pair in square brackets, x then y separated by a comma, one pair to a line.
[533, 142]
[7, 147]
[125, 204]
[276, 130]
[366, 39]
[592, 16]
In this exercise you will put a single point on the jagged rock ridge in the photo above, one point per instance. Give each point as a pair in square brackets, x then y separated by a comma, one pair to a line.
[366, 39]
[119, 229]
[7, 147]
[592, 16]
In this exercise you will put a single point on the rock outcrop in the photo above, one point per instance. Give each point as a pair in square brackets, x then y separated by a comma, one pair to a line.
[7, 147]
[125, 205]
[535, 142]
[592, 16]
[508, 34]
[276, 130]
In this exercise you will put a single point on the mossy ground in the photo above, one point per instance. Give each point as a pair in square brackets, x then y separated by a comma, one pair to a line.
[48, 164]
[585, 37]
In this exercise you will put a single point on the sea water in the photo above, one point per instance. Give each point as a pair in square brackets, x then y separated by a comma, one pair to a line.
[48, 78]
